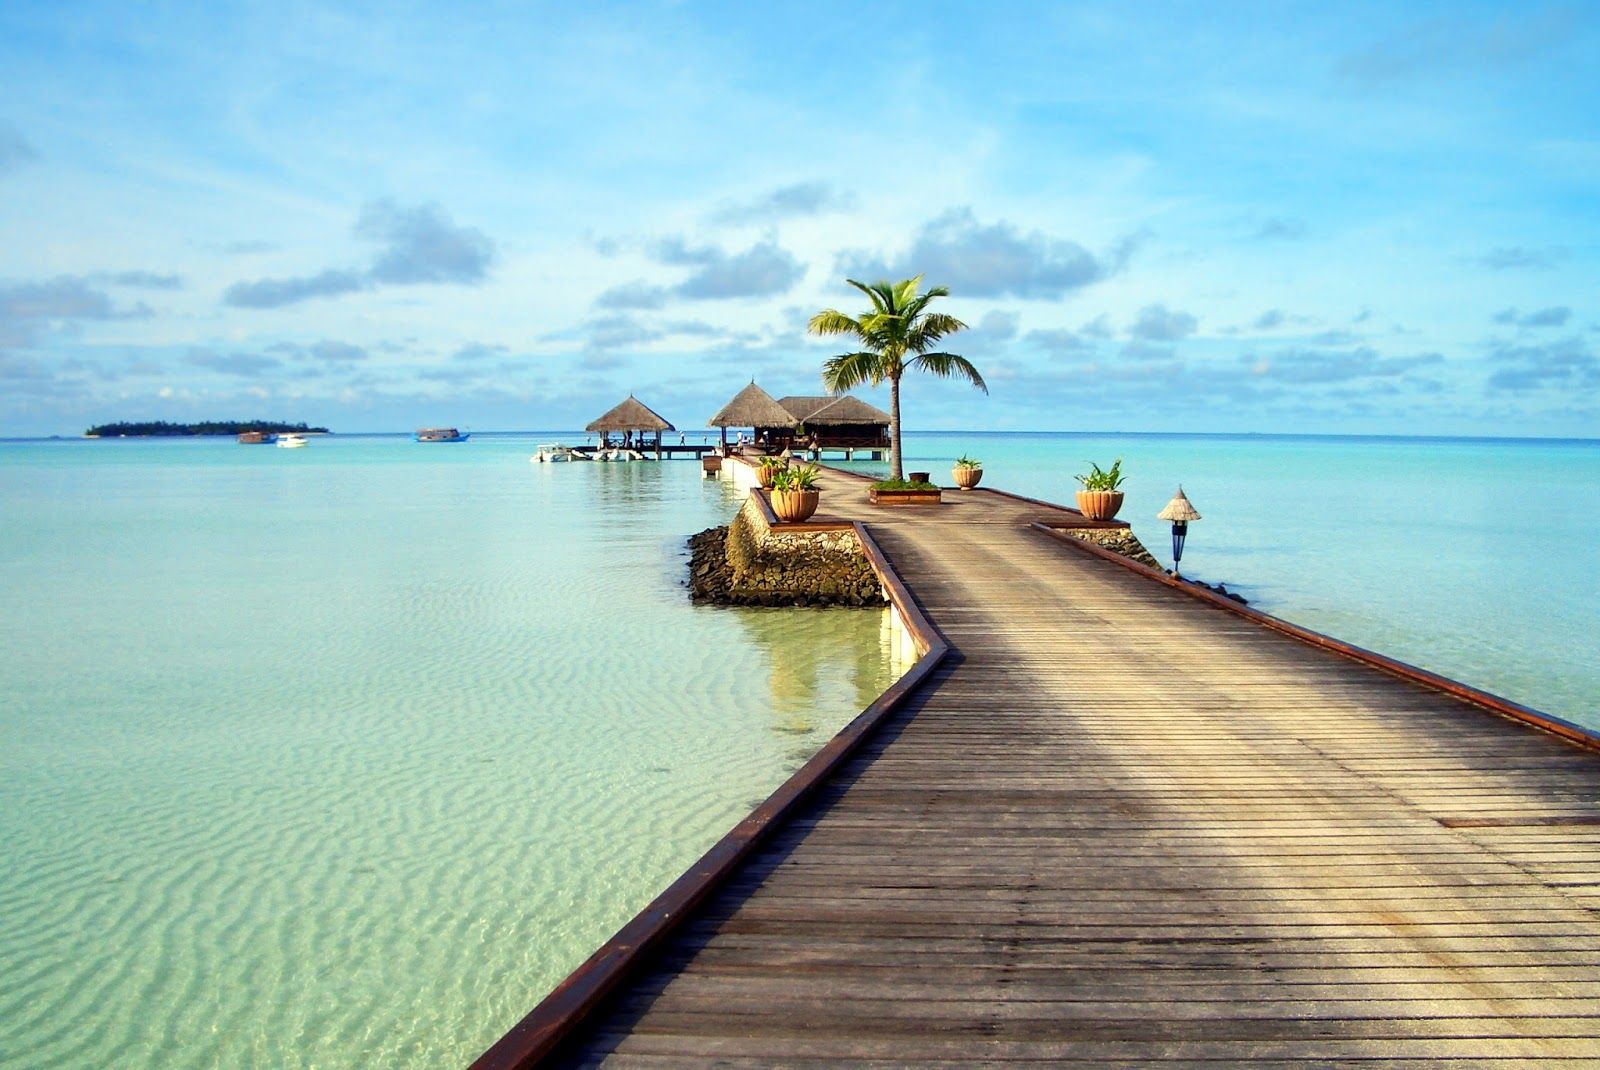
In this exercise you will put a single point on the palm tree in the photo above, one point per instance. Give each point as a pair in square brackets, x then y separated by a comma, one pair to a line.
[894, 335]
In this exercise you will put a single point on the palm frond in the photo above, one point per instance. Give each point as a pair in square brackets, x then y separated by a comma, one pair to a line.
[832, 321]
[932, 327]
[849, 370]
[915, 307]
[905, 291]
[951, 366]
[878, 292]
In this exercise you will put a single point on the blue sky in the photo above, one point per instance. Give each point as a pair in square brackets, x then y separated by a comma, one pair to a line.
[1331, 218]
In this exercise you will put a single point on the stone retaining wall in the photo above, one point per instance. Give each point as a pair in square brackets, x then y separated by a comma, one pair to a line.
[1118, 540]
[750, 564]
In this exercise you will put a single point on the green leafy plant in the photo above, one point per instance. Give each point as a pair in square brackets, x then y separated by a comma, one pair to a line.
[902, 484]
[796, 477]
[1102, 479]
[773, 462]
[964, 461]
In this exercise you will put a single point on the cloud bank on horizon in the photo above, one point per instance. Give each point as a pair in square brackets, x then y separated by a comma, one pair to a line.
[1367, 220]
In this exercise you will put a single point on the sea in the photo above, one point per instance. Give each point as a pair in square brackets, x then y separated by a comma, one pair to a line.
[343, 756]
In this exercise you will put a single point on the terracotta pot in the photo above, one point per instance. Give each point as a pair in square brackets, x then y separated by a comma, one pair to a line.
[966, 478]
[919, 477]
[1099, 504]
[794, 506]
[767, 473]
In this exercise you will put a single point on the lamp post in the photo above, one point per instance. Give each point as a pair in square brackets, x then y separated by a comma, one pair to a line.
[1179, 511]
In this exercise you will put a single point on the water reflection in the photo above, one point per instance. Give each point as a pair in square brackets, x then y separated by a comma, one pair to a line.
[820, 658]
[727, 490]
[622, 486]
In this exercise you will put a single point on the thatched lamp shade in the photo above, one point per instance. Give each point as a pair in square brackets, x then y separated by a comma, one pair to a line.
[1179, 509]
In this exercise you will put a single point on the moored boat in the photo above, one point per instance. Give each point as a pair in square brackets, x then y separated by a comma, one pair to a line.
[555, 452]
[257, 438]
[291, 442]
[440, 434]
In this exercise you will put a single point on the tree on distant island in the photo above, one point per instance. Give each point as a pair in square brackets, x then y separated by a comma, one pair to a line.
[894, 335]
[163, 429]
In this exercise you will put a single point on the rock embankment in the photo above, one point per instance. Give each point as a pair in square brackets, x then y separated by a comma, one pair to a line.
[1118, 540]
[1123, 541]
[746, 564]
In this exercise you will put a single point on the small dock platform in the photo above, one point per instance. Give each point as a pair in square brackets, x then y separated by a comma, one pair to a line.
[1116, 826]
[694, 451]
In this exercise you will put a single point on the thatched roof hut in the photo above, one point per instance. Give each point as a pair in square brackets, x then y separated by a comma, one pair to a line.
[631, 415]
[826, 410]
[752, 407]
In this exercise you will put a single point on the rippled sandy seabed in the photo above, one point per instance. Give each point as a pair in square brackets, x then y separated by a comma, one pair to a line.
[343, 756]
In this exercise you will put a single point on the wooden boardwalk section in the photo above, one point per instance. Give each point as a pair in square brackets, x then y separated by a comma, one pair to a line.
[1120, 827]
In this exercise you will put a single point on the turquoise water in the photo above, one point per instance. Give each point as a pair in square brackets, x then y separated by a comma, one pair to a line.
[343, 756]
[1475, 558]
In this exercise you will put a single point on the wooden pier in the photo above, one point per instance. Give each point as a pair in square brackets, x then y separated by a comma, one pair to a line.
[1106, 823]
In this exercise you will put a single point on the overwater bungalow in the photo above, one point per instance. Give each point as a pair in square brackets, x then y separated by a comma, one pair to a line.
[630, 426]
[804, 424]
[844, 422]
[756, 409]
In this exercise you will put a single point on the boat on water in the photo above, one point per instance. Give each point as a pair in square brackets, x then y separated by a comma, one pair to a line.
[555, 452]
[440, 434]
[291, 442]
[257, 438]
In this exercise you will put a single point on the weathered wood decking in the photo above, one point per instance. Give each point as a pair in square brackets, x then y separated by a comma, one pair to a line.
[1121, 827]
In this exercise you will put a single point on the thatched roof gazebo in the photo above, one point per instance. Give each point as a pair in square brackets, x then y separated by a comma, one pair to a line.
[838, 423]
[830, 411]
[751, 407]
[809, 424]
[631, 417]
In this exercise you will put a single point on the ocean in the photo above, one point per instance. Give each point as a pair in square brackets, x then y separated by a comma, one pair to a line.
[343, 756]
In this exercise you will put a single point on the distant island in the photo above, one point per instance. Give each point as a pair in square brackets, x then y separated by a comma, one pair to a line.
[162, 429]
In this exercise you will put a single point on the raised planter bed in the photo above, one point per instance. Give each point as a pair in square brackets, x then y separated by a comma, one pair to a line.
[904, 497]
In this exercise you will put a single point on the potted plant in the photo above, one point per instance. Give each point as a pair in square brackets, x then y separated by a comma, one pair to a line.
[1100, 499]
[967, 473]
[767, 469]
[795, 493]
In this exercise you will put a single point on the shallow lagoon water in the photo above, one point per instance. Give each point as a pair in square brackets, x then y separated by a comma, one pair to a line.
[343, 756]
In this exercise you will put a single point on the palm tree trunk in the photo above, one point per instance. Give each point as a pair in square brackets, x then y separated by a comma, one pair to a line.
[895, 469]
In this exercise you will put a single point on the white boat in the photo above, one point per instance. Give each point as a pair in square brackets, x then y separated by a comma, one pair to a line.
[291, 442]
[555, 452]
